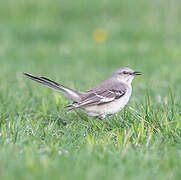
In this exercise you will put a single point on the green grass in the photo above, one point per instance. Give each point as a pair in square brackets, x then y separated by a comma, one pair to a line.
[39, 139]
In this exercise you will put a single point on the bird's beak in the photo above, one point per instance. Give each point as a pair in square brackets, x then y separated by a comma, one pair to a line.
[137, 73]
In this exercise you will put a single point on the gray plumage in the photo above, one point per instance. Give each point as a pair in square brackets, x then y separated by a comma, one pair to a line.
[107, 98]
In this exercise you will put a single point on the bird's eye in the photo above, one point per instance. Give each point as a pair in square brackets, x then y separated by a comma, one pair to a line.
[124, 72]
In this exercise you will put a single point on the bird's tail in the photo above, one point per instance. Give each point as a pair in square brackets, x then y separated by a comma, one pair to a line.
[71, 94]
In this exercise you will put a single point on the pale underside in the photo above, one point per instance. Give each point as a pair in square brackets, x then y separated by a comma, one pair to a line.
[108, 108]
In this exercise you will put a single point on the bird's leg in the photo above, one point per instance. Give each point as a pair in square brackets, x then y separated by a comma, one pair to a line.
[102, 117]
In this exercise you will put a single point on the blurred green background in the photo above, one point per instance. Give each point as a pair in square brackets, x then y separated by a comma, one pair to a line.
[56, 38]
[80, 43]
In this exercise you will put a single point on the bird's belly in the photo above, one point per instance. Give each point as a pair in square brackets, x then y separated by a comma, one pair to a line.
[108, 108]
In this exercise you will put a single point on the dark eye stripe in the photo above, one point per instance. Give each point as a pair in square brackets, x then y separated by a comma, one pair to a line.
[124, 72]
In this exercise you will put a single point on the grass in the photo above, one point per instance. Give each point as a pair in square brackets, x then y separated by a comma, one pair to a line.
[39, 139]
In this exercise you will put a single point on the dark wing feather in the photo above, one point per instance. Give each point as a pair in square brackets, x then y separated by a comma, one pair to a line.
[101, 97]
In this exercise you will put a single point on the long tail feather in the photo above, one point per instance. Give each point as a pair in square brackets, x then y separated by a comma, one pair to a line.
[72, 94]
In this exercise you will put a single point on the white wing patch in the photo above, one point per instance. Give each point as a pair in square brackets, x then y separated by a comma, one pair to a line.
[118, 93]
[100, 97]
[105, 99]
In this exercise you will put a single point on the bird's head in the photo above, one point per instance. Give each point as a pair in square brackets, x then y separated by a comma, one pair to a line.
[125, 74]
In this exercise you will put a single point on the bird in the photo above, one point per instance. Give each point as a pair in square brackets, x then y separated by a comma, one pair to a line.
[105, 99]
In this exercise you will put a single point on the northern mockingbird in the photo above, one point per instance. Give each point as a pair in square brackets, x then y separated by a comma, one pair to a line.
[107, 98]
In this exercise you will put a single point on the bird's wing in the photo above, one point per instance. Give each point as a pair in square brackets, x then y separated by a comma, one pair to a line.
[103, 96]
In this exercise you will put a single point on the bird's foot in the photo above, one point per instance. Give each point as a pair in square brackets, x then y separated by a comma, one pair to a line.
[102, 117]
